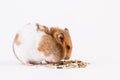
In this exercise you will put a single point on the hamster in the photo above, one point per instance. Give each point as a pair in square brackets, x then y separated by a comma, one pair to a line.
[35, 43]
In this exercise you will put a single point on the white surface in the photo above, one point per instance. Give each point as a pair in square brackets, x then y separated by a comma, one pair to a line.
[95, 32]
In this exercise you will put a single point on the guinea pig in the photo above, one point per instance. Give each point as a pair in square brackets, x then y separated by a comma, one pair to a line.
[36, 43]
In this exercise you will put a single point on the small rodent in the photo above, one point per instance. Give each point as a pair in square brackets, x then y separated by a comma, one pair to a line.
[35, 43]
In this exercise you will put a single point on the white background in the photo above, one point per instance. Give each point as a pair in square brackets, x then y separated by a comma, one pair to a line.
[94, 27]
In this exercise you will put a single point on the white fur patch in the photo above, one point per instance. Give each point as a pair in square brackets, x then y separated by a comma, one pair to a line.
[29, 39]
[50, 58]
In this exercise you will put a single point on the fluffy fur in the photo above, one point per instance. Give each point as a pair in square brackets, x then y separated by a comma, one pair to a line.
[35, 43]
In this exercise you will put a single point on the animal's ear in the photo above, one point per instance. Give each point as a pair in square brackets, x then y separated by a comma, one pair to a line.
[52, 29]
[60, 37]
[66, 29]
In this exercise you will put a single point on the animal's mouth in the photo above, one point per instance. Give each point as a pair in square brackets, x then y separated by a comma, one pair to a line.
[67, 56]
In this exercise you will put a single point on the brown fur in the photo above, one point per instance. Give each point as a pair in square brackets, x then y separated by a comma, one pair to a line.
[67, 40]
[16, 40]
[38, 27]
[50, 43]
[44, 28]
[50, 46]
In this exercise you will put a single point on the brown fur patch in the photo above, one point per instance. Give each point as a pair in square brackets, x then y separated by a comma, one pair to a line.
[43, 28]
[49, 46]
[44, 45]
[46, 30]
[16, 40]
[50, 43]
[38, 26]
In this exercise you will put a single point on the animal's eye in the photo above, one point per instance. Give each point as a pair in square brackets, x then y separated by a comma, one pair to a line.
[68, 47]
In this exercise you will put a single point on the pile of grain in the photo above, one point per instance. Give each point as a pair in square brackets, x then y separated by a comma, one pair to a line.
[66, 64]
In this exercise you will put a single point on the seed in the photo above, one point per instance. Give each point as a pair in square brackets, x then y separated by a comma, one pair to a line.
[68, 64]
[59, 67]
